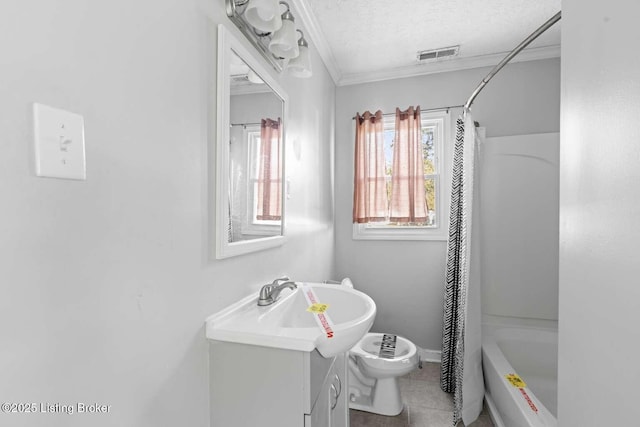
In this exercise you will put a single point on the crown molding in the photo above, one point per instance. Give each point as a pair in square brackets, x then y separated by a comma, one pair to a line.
[304, 12]
[453, 64]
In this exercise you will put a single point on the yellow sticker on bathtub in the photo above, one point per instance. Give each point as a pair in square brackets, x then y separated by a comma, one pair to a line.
[317, 308]
[515, 380]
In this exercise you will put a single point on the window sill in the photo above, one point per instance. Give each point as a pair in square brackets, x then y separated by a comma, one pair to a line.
[362, 232]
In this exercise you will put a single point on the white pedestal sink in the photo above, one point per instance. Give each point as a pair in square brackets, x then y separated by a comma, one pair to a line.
[288, 324]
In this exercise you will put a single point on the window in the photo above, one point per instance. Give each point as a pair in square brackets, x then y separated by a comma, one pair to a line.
[254, 225]
[435, 128]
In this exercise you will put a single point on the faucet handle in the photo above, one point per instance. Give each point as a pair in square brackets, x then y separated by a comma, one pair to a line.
[265, 292]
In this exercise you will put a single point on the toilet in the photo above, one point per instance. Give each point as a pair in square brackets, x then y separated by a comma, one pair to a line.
[375, 363]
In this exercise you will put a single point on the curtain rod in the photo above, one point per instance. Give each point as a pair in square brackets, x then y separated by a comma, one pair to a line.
[544, 27]
[245, 124]
[424, 111]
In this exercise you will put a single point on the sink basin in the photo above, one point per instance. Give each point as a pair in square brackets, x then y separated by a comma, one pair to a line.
[288, 324]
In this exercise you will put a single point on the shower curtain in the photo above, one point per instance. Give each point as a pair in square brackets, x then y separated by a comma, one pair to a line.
[461, 368]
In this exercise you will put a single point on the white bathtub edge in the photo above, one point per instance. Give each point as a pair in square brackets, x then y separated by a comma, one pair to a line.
[493, 411]
[496, 366]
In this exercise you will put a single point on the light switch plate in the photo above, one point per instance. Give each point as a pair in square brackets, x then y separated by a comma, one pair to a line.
[59, 143]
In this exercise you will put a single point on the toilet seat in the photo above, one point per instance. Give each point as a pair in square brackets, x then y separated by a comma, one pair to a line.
[375, 346]
[379, 345]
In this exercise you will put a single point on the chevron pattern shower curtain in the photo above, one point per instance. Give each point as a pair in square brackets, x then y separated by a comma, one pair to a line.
[461, 368]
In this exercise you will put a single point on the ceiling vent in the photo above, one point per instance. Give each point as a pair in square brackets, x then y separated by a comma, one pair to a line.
[239, 78]
[438, 54]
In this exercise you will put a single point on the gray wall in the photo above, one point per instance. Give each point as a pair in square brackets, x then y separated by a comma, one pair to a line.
[406, 278]
[599, 209]
[106, 283]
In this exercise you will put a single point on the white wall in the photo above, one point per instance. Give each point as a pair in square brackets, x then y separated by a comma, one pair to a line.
[406, 278]
[519, 225]
[599, 211]
[106, 282]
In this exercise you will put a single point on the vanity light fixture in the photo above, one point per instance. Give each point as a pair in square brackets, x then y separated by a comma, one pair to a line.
[270, 27]
[284, 43]
[300, 66]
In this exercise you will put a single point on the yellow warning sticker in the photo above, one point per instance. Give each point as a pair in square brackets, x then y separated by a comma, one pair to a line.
[515, 380]
[317, 308]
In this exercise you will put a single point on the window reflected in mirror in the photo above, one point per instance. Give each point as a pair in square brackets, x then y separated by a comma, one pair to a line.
[255, 156]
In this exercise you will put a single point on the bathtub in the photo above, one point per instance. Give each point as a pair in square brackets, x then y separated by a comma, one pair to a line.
[527, 353]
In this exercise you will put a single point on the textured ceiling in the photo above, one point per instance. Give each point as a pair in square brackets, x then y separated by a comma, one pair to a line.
[381, 37]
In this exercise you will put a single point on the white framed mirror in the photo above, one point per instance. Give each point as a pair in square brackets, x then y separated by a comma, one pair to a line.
[251, 118]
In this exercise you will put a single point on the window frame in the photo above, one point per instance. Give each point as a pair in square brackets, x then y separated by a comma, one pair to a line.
[382, 231]
[250, 224]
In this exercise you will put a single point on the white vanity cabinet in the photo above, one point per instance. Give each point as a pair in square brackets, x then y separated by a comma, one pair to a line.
[331, 406]
[270, 387]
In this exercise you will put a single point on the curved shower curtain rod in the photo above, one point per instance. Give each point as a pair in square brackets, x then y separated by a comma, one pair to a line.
[510, 56]
[544, 27]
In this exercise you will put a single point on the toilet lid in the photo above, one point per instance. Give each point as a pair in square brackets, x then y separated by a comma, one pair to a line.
[385, 346]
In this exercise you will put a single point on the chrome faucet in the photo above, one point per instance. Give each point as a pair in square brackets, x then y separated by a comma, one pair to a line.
[270, 293]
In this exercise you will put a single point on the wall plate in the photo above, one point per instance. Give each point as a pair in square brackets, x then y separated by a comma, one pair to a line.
[59, 143]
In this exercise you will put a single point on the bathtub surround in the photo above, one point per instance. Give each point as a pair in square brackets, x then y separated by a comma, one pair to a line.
[519, 195]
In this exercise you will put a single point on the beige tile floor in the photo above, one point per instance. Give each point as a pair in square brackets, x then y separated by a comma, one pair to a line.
[425, 404]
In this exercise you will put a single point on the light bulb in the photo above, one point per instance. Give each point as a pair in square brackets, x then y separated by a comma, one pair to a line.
[263, 15]
[300, 66]
[284, 43]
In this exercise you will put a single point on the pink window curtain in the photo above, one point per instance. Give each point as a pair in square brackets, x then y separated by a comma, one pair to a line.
[269, 171]
[369, 188]
[408, 198]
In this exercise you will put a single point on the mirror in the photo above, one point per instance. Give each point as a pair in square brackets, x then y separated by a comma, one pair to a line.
[249, 195]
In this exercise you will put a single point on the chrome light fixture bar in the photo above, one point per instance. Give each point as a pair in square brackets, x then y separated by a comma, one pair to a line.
[271, 30]
[235, 12]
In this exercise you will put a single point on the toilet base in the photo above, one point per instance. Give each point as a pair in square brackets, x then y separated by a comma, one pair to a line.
[385, 399]
[375, 364]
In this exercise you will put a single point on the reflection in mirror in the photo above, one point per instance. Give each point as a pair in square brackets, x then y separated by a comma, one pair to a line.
[250, 169]
[255, 156]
